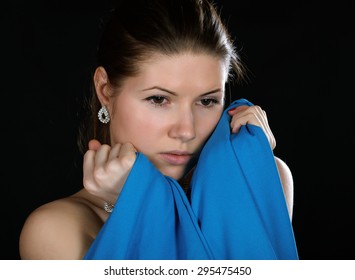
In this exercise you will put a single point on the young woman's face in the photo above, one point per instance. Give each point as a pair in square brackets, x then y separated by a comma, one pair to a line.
[170, 109]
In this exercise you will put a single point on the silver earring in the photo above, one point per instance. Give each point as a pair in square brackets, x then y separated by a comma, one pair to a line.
[103, 115]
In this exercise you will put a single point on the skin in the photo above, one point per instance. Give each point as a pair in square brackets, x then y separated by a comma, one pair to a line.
[166, 112]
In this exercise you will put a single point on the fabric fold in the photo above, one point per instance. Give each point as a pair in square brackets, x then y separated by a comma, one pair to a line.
[237, 208]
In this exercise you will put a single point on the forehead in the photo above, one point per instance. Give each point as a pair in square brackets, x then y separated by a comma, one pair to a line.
[184, 68]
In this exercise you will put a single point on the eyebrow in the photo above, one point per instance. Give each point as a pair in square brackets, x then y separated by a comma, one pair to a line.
[175, 94]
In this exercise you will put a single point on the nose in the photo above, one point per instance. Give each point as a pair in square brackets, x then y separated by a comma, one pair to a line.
[183, 126]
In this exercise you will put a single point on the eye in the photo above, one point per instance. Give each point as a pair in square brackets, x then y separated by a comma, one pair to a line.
[157, 100]
[209, 102]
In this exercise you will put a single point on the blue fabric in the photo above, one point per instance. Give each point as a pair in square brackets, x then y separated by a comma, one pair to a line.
[237, 208]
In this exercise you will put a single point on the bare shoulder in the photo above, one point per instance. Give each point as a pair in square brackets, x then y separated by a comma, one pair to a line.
[284, 170]
[287, 183]
[62, 229]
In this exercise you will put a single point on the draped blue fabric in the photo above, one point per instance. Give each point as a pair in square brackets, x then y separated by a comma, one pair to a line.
[237, 208]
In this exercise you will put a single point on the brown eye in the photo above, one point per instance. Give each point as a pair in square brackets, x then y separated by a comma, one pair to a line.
[157, 100]
[208, 102]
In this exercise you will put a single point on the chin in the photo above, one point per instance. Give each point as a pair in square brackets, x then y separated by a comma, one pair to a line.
[177, 177]
[175, 174]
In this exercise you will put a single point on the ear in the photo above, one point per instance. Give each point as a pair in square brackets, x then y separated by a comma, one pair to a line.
[102, 85]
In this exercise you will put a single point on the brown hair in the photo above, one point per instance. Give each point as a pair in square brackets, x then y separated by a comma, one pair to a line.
[138, 28]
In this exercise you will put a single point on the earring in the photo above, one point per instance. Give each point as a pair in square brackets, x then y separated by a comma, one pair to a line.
[103, 115]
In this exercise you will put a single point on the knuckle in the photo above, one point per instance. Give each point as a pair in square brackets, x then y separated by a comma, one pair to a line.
[127, 161]
[118, 145]
[105, 147]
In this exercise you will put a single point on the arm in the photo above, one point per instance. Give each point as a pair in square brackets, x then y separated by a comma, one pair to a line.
[287, 183]
[243, 115]
[65, 229]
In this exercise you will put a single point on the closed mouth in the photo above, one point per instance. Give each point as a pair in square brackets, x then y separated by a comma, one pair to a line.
[177, 157]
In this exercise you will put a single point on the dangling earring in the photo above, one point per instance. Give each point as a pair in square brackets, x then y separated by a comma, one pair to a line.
[103, 115]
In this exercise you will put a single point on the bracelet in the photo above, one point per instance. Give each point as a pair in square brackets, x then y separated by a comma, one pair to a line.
[108, 207]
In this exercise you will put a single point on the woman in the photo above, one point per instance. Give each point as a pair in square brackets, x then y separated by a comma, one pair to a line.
[159, 90]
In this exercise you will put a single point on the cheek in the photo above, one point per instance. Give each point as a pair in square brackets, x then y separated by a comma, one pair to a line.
[206, 123]
[135, 126]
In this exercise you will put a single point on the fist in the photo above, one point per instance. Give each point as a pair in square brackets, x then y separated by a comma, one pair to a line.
[106, 168]
[243, 115]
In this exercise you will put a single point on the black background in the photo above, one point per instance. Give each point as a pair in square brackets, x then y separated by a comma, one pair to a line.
[301, 61]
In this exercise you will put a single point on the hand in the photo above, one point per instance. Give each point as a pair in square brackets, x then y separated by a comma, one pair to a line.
[106, 168]
[243, 115]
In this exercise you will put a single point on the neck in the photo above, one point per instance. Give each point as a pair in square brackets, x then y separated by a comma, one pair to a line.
[185, 181]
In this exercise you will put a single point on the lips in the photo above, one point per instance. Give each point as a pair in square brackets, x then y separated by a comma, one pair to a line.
[176, 158]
